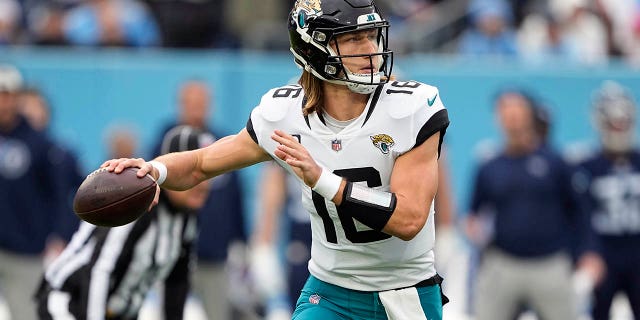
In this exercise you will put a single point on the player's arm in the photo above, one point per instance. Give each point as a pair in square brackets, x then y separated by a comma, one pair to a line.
[413, 185]
[414, 181]
[402, 212]
[186, 169]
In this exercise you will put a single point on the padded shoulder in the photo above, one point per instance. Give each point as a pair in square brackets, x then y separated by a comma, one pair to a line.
[276, 103]
[407, 97]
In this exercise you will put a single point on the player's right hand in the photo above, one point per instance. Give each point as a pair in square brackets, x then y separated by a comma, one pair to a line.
[297, 156]
[118, 165]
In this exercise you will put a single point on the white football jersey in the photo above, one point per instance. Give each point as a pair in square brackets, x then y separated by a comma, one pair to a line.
[398, 117]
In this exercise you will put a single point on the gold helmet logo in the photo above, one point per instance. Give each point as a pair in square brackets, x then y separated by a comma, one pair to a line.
[310, 6]
[383, 142]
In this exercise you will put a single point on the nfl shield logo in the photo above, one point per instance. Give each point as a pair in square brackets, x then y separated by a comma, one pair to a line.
[314, 299]
[336, 145]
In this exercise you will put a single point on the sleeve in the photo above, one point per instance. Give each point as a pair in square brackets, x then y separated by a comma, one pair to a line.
[580, 205]
[251, 130]
[429, 114]
[237, 206]
[57, 170]
[437, 123]
[72, 177]
[478, 194]
[272, 110]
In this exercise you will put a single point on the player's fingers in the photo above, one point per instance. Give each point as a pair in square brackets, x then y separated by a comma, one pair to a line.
[112, 164]
[295, 163]
[292, 152]
[156, 198]
[280, 154]
[105, 164]
[128, 163]
[120, 165]
[145, 169]
[285, 135]
[284, 139]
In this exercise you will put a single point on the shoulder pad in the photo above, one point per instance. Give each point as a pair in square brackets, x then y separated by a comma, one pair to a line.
[276, 103]
[407, 97]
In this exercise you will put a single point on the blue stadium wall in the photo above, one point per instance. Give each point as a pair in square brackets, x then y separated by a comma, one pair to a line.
[90, 90]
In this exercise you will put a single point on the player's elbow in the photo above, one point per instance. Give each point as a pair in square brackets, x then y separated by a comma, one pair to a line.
[410, 228]
[409, 232]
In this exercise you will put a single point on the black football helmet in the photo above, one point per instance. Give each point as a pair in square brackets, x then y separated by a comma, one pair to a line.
[614, 115]
[313, 24]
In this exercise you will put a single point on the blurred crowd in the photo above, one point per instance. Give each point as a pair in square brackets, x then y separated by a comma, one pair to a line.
[585, 31]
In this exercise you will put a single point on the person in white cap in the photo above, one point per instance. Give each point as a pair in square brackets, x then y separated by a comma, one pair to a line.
[31, 194]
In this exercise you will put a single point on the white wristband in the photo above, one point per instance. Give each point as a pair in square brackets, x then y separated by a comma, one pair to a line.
[162, 171]
[328, 184]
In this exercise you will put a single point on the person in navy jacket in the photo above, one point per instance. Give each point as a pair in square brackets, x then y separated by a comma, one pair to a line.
[608, 185]
[31, 193]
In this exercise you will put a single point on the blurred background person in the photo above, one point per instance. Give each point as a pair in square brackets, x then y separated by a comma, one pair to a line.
[220, 277]
[192, 24]
[526, 262]
[10, 16]
[111, 23]
[121, 140]
[491, 29]
[35, 108]
[607, 183]
[451, 250]
[31, 198]
[281, 242]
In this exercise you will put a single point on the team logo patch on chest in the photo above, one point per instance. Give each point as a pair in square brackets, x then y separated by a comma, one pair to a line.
[382, 141]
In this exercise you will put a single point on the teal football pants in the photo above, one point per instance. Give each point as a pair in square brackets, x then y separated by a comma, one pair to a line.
[323, 301]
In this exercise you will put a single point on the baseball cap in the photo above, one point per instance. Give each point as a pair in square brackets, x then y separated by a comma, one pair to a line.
[185, 138]
[10, 78]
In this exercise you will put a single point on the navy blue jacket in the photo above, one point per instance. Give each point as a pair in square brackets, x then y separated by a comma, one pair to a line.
[31, 190]
[533, 203]
[610, 194]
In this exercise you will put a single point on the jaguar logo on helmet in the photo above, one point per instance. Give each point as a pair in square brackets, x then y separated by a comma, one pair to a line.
[311, 6]
[306, 9]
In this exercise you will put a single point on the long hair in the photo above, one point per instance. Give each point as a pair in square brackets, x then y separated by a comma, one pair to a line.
[313, 93]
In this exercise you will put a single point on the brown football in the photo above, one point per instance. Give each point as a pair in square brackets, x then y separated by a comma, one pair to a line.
[108, 199]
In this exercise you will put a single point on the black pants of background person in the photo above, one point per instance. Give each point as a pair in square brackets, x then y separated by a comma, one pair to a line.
[177, 286]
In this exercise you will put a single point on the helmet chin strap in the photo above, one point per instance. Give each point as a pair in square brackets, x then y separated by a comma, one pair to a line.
[361, 87]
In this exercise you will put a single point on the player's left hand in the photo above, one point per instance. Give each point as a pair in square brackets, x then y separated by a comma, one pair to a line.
[297, 156]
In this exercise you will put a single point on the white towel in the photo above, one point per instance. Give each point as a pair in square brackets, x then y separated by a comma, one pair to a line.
[403, 304]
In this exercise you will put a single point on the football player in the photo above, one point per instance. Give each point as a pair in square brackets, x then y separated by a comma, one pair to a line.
[365, 148]
[608, 183]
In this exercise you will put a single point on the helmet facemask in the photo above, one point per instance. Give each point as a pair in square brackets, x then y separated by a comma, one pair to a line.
[363, 83]
[614, 116]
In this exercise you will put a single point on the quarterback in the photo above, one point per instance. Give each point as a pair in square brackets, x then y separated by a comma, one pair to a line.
[365, 148]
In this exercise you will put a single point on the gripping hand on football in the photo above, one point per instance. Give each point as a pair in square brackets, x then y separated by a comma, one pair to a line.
[118, 165]
[297, 156]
